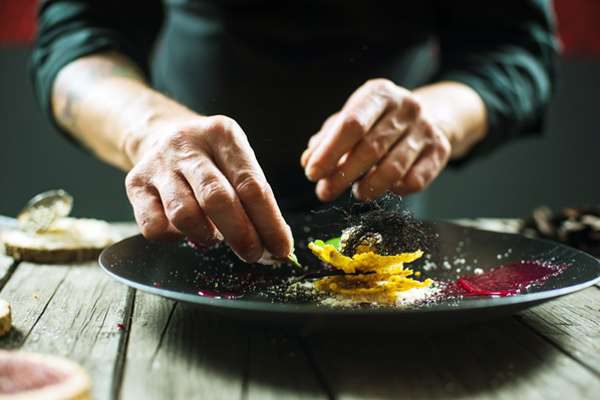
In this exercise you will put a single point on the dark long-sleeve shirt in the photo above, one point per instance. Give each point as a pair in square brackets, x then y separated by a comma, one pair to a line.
[280, 68]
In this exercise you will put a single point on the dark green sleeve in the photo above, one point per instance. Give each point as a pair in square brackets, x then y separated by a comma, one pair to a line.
[506, 51]
[70, 29]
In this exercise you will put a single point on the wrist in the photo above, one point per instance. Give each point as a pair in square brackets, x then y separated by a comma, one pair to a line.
[458, 111]
[157, 116]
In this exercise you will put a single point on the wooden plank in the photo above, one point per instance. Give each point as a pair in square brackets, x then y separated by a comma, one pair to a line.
[7, 267]
[29, 291]
[75, 311]
[279, 369]
[176, 350]
[501, 360]
[572, 323]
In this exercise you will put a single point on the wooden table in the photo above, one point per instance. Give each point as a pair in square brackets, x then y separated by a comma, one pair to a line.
[136, 345]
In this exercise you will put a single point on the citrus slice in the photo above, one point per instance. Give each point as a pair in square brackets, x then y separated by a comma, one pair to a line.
[29, 376]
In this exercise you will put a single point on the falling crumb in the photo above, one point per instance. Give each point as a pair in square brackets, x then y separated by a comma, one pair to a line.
[429, 266]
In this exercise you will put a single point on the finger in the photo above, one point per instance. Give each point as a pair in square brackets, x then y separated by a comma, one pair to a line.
[149, 213]
[423, 172]
[391, 169]
[363, 156]
[312, 143]
[316, 139]
[235, 158]
[218, 200]
[182, 210]
[358, 116]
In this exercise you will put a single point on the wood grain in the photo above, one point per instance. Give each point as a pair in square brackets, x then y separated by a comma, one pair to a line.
[178, 351]
[501, 360]
[7, 267]
[175, 352]
[572, 323]
[278, 368]
[73, 311]
[29, 291]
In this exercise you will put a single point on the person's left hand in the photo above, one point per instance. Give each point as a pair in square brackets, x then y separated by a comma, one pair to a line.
[382, 140]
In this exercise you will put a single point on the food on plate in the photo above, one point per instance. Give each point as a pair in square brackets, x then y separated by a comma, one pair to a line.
[67, 240]
[369, 276]
[41, 377]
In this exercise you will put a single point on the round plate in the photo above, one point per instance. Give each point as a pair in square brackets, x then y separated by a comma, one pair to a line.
[215, 279]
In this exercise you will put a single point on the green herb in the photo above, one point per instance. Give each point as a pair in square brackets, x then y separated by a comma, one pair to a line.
[293, 259]
[335, 242]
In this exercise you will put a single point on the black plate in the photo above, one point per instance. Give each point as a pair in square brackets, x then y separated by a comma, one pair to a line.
[176, 271]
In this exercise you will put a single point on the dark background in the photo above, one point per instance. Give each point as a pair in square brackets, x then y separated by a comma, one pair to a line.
[558, 169]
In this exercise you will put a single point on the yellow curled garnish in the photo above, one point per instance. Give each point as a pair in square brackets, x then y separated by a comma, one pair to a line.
[366, 261]
[378, 278]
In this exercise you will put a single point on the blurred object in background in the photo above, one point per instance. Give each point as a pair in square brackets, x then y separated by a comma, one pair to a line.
[17, 21]
[558, 169]
[577, 227]
[579, 26]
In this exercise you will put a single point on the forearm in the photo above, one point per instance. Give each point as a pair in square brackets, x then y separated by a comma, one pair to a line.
[103, 101]
[458, 110]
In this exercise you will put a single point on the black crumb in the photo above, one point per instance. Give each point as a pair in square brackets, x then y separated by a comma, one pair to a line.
[387, 219]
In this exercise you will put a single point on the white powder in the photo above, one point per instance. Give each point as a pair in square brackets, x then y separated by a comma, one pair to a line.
[403, 299]
[411, 296]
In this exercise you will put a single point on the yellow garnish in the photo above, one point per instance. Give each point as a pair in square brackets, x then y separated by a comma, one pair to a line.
[368, 261]
[378, 278]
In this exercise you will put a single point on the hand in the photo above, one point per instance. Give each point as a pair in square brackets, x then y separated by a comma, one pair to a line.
[381, 140]
[198, 177]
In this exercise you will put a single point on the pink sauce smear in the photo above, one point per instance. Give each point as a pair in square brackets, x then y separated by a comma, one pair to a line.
[508, 280]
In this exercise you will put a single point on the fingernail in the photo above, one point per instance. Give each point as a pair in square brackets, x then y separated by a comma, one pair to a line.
[290, 234]
[356, 193]
[304, 158]
[196, 245]
[323, 190]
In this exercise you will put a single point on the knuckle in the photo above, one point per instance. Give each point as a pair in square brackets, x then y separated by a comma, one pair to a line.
[373, 149]
[152, 228]
[223, 127]
[179, 138]
[214, 196]
[134, 180]
[416, 183]
[380, 84]
[250, 187]
[411, 105]
[221, 123]
[443, 146]
[393, 171]
[428, 130]
[353, 122]
[180, 213]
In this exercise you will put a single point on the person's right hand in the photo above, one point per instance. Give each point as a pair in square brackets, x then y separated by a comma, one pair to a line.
[198, 177]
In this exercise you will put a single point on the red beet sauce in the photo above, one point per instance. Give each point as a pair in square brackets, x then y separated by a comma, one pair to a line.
[508, 280]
